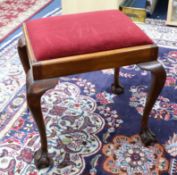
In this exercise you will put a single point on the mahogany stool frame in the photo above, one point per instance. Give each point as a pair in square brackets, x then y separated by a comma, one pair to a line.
[43, 75]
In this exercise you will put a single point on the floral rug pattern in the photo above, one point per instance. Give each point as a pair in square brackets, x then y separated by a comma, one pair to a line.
[129, 156]
[14, 12]
[90, 130]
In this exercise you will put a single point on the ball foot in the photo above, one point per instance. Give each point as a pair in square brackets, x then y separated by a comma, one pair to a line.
[117, 89]
[42, 160]
[148, 137]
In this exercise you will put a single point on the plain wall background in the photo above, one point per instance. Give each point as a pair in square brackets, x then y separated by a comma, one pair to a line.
[77, 6]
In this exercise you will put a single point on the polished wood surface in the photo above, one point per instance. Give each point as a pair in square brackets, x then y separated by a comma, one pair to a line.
[116, 87]
[158, 77]
[93, 61]
[35, 90]
[22, 51]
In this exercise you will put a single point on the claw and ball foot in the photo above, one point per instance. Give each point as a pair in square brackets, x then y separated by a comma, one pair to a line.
[117, 89]
[148, 137]
[158, 80]
[42, 159]
[35, 90]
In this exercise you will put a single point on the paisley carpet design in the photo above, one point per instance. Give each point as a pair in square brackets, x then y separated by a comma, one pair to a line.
[14, 12]
[90, 130]
[12, 76]
[129, 156]
[72, 121]
[163, 108]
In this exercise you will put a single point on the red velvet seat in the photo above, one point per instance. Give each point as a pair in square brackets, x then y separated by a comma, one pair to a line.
[69, 35]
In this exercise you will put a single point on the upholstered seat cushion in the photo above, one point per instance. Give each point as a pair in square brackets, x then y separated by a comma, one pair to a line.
[68, 35]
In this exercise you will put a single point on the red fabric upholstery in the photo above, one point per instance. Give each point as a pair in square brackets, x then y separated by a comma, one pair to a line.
[67, 35]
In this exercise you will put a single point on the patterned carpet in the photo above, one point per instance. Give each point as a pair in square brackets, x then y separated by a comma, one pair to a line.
[90, 130]
[14, 12]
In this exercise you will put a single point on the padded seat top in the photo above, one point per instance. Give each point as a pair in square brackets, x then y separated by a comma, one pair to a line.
[69, 35]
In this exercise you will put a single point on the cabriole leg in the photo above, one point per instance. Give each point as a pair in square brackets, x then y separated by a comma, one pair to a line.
[35, 89]
[158, 79]
[22, 51]
[116, 86]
